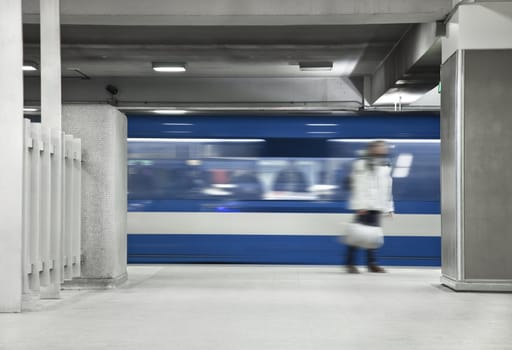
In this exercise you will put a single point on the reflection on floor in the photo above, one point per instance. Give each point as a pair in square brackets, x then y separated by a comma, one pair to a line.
[212, 307]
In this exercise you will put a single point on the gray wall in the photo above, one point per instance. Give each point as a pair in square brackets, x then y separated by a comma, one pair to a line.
[103, 130]
[487, 164]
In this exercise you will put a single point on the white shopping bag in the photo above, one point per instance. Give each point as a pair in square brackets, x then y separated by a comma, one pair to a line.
[363, 236]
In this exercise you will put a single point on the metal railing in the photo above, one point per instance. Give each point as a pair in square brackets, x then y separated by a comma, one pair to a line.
[51, 210]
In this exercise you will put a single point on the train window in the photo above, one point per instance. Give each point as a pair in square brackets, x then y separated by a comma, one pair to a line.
[403, 165]
[249, 175]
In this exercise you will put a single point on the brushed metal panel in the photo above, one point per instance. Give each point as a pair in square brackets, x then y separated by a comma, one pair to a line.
[488, 166]
[448, 167]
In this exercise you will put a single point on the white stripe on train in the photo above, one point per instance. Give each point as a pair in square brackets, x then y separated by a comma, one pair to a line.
[308, 224]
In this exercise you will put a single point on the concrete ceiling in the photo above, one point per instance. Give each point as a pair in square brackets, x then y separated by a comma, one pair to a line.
[246, 51]
[244, 12]
[238, 53]
[227, 35]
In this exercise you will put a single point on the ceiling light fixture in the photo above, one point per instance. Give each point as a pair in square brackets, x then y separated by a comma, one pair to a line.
[170, 111]
[28, 109]
[315, 66]
[29, 67]
[167, 67]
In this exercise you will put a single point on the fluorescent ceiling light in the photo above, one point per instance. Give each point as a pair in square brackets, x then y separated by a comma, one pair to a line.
[316, 66]
[169, 67]
[322, 124]
[170, 111]
[27, 109]
[29, 67]
[193, 140]
[321, 132]
[389, 140]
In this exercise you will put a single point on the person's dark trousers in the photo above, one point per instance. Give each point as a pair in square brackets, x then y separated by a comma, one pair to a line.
[371, 218]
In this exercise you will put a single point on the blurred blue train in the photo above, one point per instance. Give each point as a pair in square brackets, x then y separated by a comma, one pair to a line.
[270, 189]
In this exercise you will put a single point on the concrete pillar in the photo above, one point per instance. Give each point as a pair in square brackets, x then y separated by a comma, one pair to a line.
[51, 100]
[103, 131]
[476, 134]
[11, 154]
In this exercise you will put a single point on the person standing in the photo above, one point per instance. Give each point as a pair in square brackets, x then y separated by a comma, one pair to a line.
[371, 196]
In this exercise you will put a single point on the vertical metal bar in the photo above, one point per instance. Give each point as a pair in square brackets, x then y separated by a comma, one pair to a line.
[27, 172]
[53, 214]
[56, 216]
[77, 205]
[35, 179]
[63, 194]
[45, 207]
[68, 208]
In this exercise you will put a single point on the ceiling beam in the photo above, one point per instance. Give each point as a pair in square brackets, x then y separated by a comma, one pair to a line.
[178, 92]
[244, 12]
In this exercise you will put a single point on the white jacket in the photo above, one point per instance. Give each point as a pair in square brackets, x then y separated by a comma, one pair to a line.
[371, 189]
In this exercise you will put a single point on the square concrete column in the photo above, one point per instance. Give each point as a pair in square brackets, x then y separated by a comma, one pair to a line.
[51, 101]
[476, 133]
[11, 155]
[476, 139]
[103, 131]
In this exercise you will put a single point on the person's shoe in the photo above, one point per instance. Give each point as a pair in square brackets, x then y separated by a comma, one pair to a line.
[352, 269]
[376, 269]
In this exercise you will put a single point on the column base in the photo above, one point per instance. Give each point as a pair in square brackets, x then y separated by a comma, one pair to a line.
[490, 286]
[95, 283]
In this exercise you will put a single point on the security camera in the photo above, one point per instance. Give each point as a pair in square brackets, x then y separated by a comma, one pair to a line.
[112, 89]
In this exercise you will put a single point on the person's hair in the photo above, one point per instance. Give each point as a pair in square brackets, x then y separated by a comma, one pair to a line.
[373, 144]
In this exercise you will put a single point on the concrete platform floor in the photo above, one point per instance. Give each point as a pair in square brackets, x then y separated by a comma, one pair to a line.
[212, 307]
